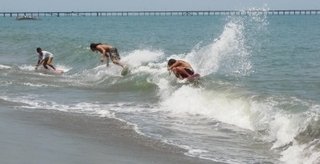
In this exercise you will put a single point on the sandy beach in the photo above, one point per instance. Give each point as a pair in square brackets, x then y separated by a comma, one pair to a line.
[42, 136]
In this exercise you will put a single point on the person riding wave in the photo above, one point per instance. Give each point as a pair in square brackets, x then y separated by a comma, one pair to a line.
[180, 68]
[107, 52]
[45, 58]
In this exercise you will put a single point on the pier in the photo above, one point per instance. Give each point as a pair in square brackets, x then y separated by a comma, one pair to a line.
[160, 13]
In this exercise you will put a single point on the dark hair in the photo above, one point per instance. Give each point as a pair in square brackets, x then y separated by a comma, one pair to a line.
[171, 61]
[39, 49]
[93, 46]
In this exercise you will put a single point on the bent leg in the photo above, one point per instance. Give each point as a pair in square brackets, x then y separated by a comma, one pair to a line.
[52, 66]
[179, 72]
[45, 62]
[117, 62]
[49, 63]
[183, 73]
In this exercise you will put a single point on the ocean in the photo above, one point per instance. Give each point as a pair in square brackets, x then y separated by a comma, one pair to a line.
[257, 100]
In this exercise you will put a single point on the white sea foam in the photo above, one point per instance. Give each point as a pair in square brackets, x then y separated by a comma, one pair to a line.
[243, 112]
[32, 67]
[100, 73]
[63, 67]
[27, 67]
[37, 85]
[138, 61]
[302, 153]
[284, 128]
[4, 66]
[188, 100]
[227, 54]
[33, 102]
[142, 57]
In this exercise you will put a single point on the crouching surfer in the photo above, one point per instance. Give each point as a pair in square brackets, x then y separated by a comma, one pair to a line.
[181, 69]
[107, 52]
[45, 58]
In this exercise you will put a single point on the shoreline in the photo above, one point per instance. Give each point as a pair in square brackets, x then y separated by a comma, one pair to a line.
[44, 136]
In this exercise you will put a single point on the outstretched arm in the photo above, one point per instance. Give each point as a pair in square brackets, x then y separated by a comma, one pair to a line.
[39, 63]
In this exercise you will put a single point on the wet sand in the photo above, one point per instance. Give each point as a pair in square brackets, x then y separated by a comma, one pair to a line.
[51, 137]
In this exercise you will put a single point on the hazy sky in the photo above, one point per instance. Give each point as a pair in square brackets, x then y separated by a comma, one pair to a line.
[133, 5]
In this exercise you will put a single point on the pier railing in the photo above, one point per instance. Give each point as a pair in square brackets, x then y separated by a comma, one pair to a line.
[161, 13]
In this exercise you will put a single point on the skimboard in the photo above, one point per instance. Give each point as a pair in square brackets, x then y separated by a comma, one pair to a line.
[50, 71]
[194, 77]
[57, 71]
[125, 71]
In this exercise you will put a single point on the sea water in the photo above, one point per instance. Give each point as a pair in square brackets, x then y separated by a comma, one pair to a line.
[257, 100]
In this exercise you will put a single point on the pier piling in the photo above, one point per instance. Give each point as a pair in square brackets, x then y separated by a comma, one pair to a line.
[162, 13]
